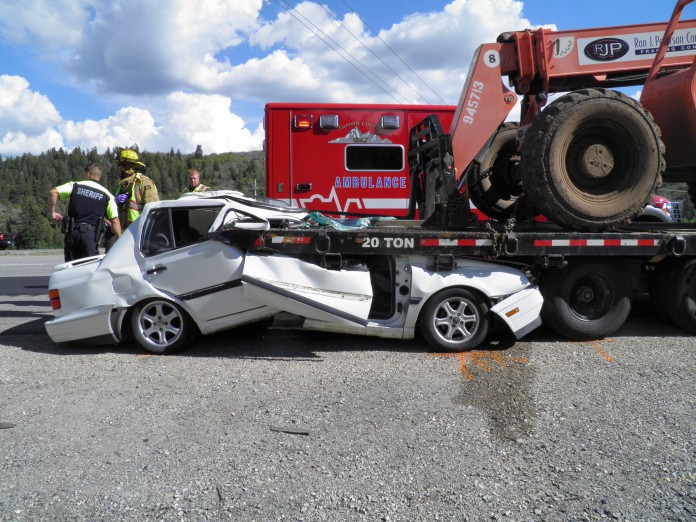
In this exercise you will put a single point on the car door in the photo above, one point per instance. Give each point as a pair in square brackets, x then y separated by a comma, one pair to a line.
[179, 260]
[306, 289]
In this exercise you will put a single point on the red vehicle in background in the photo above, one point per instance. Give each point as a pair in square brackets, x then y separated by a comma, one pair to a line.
[662, 209]
[344, 158]
[6, 240]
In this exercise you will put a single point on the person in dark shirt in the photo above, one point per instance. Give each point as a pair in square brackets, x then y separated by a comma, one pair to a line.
[89, 205]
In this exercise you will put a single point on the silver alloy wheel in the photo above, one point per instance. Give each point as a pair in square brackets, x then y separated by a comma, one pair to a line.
[159, 325]
[455, 320]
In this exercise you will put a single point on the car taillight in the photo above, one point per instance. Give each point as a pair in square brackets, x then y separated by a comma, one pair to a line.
[54, 296]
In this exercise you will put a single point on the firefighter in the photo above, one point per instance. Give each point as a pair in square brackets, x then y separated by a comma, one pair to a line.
[89, 205]
[193, 178]
[135, 189]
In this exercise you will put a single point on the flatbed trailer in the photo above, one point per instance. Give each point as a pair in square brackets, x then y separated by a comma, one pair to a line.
[543, 244]
[588, 279]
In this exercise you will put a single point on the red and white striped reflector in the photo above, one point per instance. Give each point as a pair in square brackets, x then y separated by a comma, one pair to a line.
[596, 242]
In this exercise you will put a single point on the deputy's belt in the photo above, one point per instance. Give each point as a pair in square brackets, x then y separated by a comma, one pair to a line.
[84, 227]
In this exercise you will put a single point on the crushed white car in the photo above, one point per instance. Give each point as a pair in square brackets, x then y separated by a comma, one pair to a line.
[166, 280]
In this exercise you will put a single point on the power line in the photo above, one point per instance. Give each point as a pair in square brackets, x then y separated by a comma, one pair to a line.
[394, 52]
[373, 53]
[294, 13]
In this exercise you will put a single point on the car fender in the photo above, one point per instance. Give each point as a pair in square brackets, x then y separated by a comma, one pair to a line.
[492, 280]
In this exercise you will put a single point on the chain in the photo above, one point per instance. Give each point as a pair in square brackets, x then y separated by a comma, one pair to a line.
[498, 238]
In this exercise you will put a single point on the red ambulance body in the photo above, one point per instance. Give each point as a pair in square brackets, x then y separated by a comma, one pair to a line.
[343, 159]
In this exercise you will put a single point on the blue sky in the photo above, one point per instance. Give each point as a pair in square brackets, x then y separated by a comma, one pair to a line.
[178, 73]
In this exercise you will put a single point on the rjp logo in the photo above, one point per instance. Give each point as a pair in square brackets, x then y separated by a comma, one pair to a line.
[606, 49]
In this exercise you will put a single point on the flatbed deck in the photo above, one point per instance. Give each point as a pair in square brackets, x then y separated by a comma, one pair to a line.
[487, 240]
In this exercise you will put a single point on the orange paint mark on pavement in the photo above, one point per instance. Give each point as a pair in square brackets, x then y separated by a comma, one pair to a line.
[481, 359]
[595, 345]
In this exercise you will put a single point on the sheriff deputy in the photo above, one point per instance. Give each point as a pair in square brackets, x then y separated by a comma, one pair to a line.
[89, 205]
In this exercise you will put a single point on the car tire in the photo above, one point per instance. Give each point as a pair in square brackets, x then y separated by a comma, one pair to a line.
[454, 320]
[161, 326]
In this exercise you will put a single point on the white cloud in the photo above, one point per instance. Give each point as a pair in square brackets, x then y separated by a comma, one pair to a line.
[175, 67]
[149, 46]
[437, 45]
[30, 123]
[23, 110]
[206, 120]
[186, 121]
[17, 143]
[48, 25]
[128, 126]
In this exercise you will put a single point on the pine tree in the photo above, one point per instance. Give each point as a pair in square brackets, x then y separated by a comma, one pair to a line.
[34, 229]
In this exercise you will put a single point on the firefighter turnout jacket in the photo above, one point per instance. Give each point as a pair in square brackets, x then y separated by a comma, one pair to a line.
[140, 190]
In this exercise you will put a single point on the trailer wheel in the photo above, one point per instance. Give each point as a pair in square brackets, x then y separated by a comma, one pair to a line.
[592, 160]
[586, 300]
[454, 320]
[683, 309]
[160, 326]
[496, 186]
[691, 186]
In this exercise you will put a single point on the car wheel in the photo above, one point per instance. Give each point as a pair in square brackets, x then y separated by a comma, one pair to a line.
[454, 320]
[161, 326]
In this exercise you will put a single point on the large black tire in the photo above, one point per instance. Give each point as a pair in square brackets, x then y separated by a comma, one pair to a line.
[683, 306]
[496, 186]
[161, 326]
[587, 300]
[454, 320]
[692, 191]
[592, 160]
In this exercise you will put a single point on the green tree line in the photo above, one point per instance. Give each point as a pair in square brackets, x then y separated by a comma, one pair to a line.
[26, 180]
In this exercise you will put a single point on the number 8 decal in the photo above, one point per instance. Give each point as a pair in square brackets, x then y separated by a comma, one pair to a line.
[492, 58]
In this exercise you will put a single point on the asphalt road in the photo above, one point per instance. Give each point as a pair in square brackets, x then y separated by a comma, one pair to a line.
[291, 425]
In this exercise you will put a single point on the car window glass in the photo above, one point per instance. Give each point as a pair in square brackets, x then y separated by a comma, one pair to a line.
[157, 233]
[172, 228]
[191, 225]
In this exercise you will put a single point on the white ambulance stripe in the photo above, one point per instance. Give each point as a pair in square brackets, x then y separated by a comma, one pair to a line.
[393, 203]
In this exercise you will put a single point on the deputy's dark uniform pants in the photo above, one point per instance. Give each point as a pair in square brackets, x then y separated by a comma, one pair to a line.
[81, 242]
